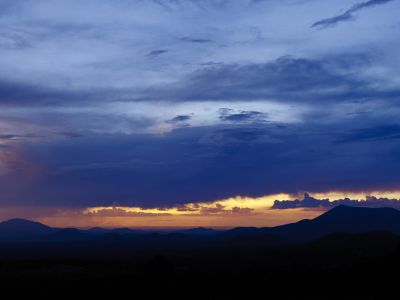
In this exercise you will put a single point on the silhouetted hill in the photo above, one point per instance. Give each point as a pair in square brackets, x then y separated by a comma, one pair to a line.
[127, 231]
[17, 225]
[68, 234]
[334, 239]
[21, 235]
[339, 219]
[201, 231]
[176, 236]
[97, 230]
[157, 238]
[112, 237]
[241, 230]
[150, 237]
[120, 231]
[3, 232]
[258, 240]
[366, 241]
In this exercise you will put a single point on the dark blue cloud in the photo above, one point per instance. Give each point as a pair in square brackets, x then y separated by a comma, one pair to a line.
[71, 135]
[192, 40]
[235, 135]
[310, 202]
[80, 108]
[377, 133]
[348, 14]
[156, 53]
[199, 164]
[19, 137]
[325, 81]
[12, 40]
[22, 94]
[178, 119]
[318, 82]
[241, 117]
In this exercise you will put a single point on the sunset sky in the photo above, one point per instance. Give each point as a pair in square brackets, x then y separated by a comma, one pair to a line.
[169, 113]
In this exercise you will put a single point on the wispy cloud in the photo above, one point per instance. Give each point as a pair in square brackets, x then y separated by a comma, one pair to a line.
[348, 14]
[178, 119]
[228, 115]
[189, 39]
[16, 137]
[156, 53]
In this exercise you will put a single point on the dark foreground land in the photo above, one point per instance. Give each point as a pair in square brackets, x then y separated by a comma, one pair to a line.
[346, 253]
[285, 272]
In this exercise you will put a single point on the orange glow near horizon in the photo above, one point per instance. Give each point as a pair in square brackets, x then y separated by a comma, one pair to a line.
[226, 213]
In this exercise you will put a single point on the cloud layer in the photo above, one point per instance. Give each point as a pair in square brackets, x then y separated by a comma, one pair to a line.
[312, 203]
[157, 104]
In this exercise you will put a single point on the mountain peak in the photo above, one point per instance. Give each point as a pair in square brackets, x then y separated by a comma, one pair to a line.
[341, 212]
[19, 220]
[17, 225]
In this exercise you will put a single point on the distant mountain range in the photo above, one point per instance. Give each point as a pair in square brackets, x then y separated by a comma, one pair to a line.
[258, 240]
[200, 231]
[337, 221]
[68, 234]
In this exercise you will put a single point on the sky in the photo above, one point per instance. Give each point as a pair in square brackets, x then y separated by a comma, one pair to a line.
[197, 112]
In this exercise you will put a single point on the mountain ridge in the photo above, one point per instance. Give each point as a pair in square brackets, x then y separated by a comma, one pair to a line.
[341, 218]
[22, 225]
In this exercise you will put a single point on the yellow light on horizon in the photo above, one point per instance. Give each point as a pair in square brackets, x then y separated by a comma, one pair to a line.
[260, 203]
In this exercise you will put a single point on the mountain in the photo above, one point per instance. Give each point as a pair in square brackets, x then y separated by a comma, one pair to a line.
[339, 219]
[97, 231]
[258, 240]
[201, 231]
[68, 234]
[21, 235]
[18, 225]
[366, 241]
[157, 238]
[242, 230]
[176, 236]
[3, 232]
[119, 231]
[112, 237]
[151, 237]
[127, 231]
